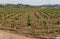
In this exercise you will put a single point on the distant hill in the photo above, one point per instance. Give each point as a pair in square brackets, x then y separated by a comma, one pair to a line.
[57, 5]
[22, 5]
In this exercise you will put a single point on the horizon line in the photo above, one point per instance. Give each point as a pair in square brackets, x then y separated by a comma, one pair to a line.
[27, 4]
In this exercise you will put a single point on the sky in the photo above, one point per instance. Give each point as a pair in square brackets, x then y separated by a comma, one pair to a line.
[30, 2]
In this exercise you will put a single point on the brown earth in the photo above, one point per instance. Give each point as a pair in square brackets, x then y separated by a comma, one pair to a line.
[5, 35]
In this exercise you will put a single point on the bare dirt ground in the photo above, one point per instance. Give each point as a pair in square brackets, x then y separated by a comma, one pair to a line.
[5, 35]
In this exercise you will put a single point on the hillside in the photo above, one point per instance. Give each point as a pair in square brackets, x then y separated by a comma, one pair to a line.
[39, 23]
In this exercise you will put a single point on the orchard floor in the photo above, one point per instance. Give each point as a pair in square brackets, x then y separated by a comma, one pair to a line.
[6, 35]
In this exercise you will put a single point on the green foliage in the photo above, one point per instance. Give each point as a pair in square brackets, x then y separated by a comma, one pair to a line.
[0, 15]
[36, 15]
[44, 22]
[0, 21]
[29, 21]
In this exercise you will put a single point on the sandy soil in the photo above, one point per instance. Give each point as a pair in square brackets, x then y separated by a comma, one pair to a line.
[5, 35]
